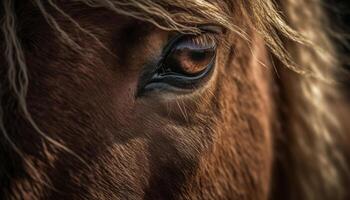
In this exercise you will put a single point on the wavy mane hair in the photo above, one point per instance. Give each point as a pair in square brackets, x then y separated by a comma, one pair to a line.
[307, 153]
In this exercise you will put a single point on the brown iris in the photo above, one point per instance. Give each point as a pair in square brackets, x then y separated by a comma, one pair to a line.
[191, 55]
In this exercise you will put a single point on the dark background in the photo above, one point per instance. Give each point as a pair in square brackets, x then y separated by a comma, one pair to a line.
[339, 15]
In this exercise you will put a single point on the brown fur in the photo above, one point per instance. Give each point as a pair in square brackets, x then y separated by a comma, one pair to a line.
[250, 134]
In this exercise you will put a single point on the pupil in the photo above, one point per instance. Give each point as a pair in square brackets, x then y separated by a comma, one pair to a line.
[198, 56]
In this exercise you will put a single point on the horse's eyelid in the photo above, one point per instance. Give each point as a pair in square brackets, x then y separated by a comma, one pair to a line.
[212, 29]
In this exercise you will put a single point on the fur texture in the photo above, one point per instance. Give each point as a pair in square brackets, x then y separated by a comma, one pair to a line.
[308, 133]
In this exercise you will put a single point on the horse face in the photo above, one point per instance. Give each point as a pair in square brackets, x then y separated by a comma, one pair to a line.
[123, 102]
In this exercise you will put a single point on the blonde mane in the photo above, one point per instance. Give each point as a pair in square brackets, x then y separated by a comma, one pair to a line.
[293, 31]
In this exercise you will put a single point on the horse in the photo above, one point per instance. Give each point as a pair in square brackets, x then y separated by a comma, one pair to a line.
[170, 99]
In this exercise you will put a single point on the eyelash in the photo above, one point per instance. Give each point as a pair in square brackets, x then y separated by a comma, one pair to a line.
[205, 39]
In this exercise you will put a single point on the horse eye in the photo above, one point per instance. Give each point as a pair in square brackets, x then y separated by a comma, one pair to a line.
[186, 64]
[190, 56]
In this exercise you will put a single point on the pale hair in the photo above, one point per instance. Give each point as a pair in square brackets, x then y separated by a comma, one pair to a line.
[296, 37]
